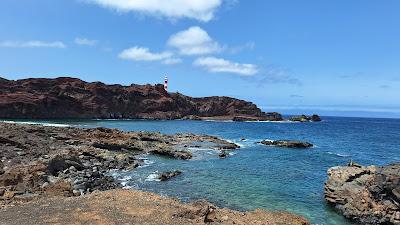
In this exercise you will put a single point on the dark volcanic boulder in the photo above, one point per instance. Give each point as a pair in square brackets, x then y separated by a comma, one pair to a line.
[178, 154]
[1, 168]
[315, 118]
[287, 143]
[60, 163]
[304, 118]
[223, 154]
[367, 195]
[168, 175]
[272, 116]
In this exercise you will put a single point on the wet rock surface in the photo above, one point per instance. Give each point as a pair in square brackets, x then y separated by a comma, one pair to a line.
[365, 194]
[37, 161]
[168, 175]
[287, 143]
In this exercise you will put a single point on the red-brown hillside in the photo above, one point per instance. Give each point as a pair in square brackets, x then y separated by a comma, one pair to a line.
[40, 98]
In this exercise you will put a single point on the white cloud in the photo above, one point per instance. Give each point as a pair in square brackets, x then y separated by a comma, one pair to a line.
[194, 41]
[218, 65]
[85, 41]
[172, 61]
[32, 44]
[202, 10]
[143, 54]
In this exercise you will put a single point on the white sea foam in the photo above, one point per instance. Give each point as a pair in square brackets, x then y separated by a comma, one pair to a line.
[234, 142]
[37, 123]
[199, 149]
[268, 139]
[267, 121]
[338, 154]
[223, 121]
[125, 178]
[153, 177]
[146, 163]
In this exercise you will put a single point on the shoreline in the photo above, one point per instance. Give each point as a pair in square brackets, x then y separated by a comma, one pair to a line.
[40, 163]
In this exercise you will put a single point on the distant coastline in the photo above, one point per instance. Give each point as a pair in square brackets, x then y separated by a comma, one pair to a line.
[72, 98]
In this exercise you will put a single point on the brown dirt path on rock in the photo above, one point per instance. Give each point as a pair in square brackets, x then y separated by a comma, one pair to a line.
[134, 207]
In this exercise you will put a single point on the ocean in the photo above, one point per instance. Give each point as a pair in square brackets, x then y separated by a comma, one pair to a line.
[257, 176]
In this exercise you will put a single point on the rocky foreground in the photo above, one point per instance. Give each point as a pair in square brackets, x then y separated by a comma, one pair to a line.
[54, 175]
[365, 194]
[39, 161]
[66, 97]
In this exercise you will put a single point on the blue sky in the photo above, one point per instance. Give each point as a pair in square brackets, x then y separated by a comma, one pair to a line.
[333, 57]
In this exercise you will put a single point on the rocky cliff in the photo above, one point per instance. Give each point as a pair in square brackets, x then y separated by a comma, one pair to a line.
[65, 97]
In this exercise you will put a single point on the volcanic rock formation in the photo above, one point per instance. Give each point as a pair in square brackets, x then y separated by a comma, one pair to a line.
[40, 98]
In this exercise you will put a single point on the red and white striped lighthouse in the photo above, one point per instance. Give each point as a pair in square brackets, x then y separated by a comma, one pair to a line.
[166, 84]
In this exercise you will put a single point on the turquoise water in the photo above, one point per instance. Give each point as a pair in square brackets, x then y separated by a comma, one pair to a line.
[258, 176]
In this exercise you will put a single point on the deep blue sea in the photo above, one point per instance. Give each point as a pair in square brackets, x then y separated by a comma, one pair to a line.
[258, 176]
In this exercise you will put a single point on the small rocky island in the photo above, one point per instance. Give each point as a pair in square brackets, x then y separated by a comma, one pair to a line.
[365, 194]
[287, 143]
[60, 175]
[304, 118]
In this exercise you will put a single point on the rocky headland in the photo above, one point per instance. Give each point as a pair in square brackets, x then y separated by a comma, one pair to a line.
[64, 97]
[365, 194]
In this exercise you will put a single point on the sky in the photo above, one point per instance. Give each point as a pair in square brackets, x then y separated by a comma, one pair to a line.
[330, 57]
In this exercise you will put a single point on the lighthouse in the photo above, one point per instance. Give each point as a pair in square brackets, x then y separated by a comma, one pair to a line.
[166, 84]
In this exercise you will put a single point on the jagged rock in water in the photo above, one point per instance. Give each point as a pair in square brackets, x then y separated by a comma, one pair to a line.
[223, 154]
[365, 194]
[168, 175]
[304, 118]
[315, 118]
[287, 143]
